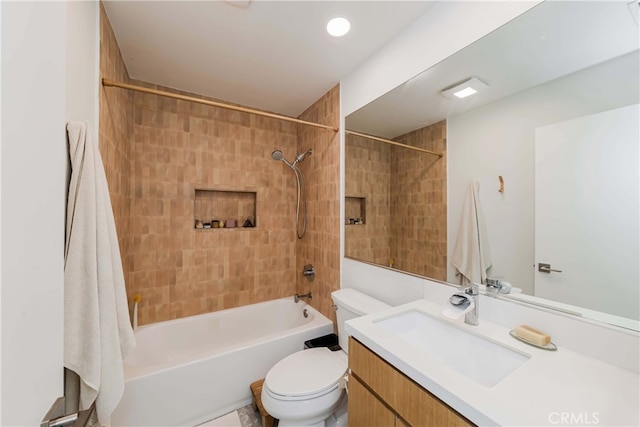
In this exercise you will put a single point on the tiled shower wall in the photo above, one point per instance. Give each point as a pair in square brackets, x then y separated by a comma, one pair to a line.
[168, 149]
[115, 136]
[406, 202]
[321, 243]
[419, 210]
[182, 146]
[368, 176]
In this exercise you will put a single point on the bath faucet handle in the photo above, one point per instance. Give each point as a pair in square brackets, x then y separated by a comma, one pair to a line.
[309, 272]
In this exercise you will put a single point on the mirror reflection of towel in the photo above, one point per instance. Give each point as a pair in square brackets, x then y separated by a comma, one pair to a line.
[471, 255]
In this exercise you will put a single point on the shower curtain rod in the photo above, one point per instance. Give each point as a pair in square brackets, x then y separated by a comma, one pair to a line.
[111, 83]
[388, 141]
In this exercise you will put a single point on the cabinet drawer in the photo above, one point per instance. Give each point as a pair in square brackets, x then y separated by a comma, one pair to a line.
[413, 403]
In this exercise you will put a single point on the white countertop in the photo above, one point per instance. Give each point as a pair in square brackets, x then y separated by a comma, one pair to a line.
[551, 388]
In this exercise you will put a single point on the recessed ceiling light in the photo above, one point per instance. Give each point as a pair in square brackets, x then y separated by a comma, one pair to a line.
[464, 89]
[467, 91]
[338, 27]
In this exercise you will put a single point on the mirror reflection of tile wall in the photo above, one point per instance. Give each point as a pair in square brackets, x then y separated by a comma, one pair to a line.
[368, 176]
[406, 198]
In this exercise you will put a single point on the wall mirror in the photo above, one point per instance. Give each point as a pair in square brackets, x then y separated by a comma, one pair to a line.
[550, 139]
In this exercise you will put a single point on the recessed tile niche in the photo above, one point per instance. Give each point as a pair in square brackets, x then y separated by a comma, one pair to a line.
[355, 210]
[222, 209]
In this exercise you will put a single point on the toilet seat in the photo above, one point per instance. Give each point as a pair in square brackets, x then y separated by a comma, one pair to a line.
[306, 375]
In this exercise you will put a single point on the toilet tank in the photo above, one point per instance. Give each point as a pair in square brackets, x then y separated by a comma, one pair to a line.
[351, 304]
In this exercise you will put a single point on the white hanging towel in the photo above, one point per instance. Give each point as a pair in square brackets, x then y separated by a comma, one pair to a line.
[471, 256]
[97, 332]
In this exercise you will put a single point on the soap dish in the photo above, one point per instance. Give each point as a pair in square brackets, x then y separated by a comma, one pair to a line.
[550, 347]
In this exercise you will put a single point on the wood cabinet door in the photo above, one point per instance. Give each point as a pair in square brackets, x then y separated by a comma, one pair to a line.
[365, 410]
[414, 404]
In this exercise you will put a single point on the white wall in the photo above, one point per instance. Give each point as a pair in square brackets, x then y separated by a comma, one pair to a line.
[498, 139]
[36, 96]
[83, 61]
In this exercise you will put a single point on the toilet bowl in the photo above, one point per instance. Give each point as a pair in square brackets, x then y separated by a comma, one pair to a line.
[307, 388]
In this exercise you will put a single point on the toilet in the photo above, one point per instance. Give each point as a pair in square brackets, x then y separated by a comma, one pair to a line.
[306, 388]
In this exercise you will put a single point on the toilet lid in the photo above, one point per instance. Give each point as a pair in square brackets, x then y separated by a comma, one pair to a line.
[306, 372]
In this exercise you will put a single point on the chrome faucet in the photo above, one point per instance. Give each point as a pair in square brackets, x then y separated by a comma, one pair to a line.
[297, 297]
[493, 286]
[471, 317]
[463, 302]
[497, 286]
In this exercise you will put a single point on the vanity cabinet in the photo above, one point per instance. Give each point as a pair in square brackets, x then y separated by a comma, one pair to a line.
[380, 395]
[365, 409]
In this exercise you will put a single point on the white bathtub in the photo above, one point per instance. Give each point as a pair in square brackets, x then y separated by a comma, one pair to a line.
[187, 371]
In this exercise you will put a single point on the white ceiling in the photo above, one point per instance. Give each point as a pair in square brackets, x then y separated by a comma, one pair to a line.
[271, 55]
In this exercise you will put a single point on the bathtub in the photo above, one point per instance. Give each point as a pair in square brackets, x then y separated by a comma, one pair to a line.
[187, 371]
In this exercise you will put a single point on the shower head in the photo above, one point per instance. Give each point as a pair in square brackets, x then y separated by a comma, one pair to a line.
[277, 155]
[300, 157]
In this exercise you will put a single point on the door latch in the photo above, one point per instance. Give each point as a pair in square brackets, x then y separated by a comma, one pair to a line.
[546, 268]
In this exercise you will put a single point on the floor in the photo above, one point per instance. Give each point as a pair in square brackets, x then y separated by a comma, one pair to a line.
[243, 417]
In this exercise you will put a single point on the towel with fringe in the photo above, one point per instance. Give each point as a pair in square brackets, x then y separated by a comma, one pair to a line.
[97, 331]
[471, 256]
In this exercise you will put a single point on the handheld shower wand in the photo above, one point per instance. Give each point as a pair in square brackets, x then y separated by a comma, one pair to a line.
[277, 155]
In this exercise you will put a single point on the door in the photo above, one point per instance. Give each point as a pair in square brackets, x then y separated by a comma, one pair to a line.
[587, 212]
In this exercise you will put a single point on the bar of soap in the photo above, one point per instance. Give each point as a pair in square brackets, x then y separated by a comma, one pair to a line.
[532, 335]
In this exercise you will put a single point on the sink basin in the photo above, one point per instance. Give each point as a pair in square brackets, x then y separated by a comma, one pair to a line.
[479, 359]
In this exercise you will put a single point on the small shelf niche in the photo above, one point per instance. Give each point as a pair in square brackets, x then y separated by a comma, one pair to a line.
[355, 210]
[236, 209]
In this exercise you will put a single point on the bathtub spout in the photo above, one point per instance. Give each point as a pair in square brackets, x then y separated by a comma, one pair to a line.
[297, 297]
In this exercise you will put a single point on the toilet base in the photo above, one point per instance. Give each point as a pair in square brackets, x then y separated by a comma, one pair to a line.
[339, 417]
[294, 424]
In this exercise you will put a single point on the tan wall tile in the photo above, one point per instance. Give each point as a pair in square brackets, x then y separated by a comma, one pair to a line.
[158, 151]
[421, 208]
[406, 200]
[321, 244]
